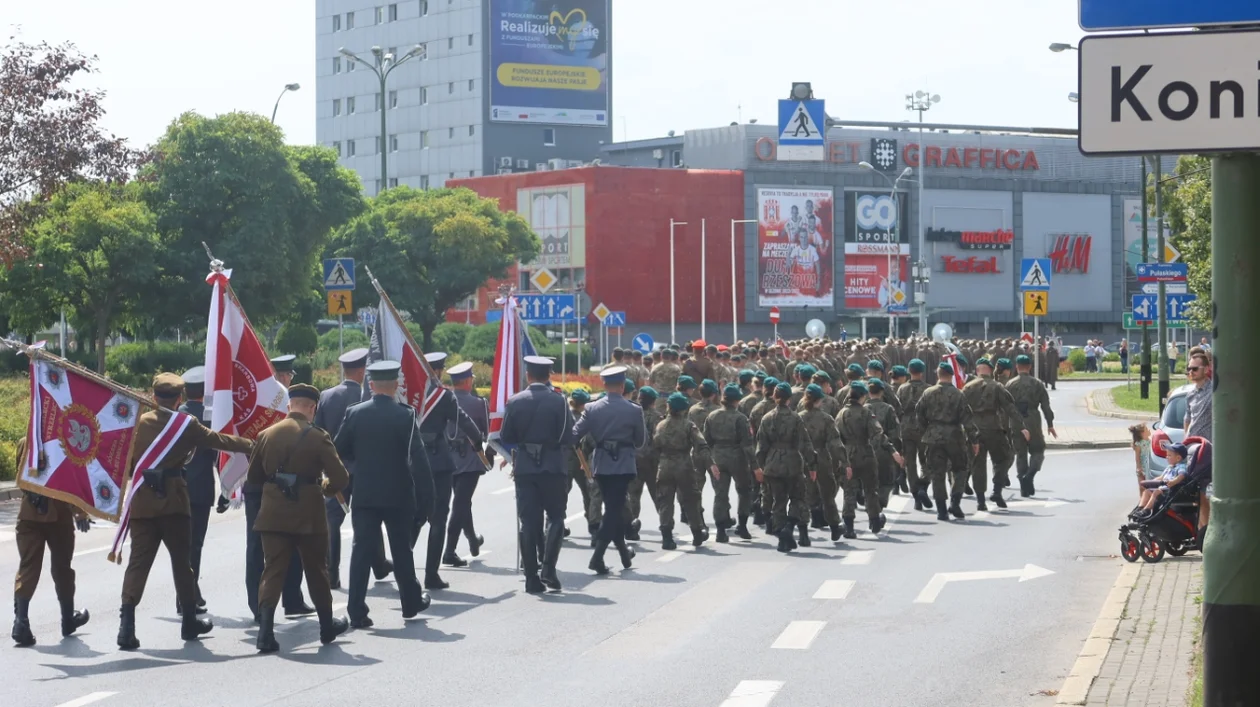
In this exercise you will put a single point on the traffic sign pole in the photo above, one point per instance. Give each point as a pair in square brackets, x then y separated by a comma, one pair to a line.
[1163, 315]
[1144, 384]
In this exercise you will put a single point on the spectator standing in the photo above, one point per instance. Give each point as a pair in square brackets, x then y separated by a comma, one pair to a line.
[1124, 356]
[1171, 357]
[1091, 353]
[1198, 422]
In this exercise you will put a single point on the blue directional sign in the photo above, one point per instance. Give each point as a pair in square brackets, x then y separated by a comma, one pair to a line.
[802, 122]
[367, 316]
[1100, 15]
[643, 343]
[615, 319]
[1145, 308]
[1034, 274]
[339, 274]
[1161, 272]
[536, 308]
[1177, 306]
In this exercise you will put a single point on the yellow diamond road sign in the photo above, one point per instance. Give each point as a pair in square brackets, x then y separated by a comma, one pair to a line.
[601, 312]
[543, 279]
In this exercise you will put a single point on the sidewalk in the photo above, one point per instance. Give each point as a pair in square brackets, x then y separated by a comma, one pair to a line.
[1087, 437]
[1148, 662]
[1101, 404]
[8, 490]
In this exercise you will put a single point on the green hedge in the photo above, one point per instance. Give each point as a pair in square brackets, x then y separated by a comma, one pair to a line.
[296, 339]
[15, 413]
[1076, 357]
[135, 364]
[327, 353]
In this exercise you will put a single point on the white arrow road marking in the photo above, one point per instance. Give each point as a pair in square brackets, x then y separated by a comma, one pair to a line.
[940, 579]
[753, 693]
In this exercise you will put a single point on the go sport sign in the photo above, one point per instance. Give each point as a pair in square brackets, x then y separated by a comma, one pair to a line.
[875, 223]
[549, 62]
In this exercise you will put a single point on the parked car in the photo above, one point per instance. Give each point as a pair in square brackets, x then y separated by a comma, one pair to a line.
[1065, 350]
[1167, 429]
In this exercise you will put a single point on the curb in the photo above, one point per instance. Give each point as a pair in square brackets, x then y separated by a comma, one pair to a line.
[1089, 662]
[1110, 444]
[9, 491]
[1092, 406]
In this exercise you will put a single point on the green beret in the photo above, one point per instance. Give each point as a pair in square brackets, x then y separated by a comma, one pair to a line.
[814, 391]
[984, 361]
[686, 383]
[943, 366]
[629, 387]
[899, 372]
[746, 376]
[678, 402]
[580, 396]
[857, 389]
[648, 392]
[805, 372]
[732, 392]
[708, 387]
[1023, 360]
[770, 382]
[783, 391]
[917, 365]
[822, 375]
[875, 384]
[962, 360]
[760, 375]
[1004, 364]
[856, 368]
[874, 365]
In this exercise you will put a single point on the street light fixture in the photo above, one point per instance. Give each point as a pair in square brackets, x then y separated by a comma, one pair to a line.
[1057, 47]
[287, 87]
[384, 66]
[1074, 97]
[921, 101]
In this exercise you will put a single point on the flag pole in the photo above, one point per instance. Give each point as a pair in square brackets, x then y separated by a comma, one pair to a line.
[36, 352]
[216, 266]
[380, 291]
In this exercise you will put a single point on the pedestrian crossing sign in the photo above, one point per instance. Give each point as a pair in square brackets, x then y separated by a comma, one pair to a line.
[340, 302]
[1035, 274]
[338, 274]
[1036, 303]
[802, 130]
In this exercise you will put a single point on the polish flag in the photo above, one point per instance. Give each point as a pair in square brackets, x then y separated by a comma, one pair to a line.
[506, 379]
[959, 379]
[242, 393]
[418, 385]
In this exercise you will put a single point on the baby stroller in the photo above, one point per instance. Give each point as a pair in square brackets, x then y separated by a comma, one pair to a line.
[1173, 524]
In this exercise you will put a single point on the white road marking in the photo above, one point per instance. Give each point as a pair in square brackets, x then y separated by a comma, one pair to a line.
[670, 556]
[935, 585]
[834, 589]
[339, 607]
[93, 551]
[798, 635]
[979, 515]
[505, 489]
[87, 699]
[1048, 503]
[574, 518]
[753, 693]
[858, 557]
[6, 538]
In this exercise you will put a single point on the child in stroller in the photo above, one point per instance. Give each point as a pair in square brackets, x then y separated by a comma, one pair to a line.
[1167, 520]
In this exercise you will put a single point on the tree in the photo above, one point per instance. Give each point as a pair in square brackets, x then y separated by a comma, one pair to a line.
[1187, 202]
[95, 250]
[431, 249]
[265, 209]
[49, 134]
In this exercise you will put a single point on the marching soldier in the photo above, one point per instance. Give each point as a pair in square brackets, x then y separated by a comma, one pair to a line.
[700, 367]
[1032, 401]
[942, 411]
[591, 507]
[729, 435]
[861, 434]
[469, 466]
[664, 376]
[645, 461]
[804, 374]
[909, 394]
[392, 485]
[538, 423]
[698, 414]
[784, 453]
[297, 466]
[993, 411]
[832, 457]
[200, 474]
[160, 511]
[678, 441]
[887, 418]
[44, 522]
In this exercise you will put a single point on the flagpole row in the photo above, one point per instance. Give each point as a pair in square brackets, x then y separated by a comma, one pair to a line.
[34, 352]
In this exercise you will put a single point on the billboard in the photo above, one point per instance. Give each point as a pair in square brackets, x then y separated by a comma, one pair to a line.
[969, 236]
[876, 223]
[558, 215]
[877, 282]
[795, 233]
[1074, 232]
[549, 61]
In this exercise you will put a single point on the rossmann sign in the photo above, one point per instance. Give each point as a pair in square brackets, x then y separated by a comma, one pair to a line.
[932, 156]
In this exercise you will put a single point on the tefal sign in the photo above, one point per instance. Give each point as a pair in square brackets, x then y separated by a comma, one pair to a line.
[974, 265]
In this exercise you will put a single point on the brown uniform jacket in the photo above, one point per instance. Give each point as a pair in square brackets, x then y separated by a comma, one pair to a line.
[58, 511]
[196, 436]
[314, 456]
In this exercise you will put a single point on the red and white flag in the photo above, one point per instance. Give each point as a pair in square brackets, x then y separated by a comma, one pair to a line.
[418, 385]
[506, 378]
[952, 360]
[242, 392]
[83, 428]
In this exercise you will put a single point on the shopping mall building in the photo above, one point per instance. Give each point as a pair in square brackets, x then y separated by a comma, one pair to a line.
[835, 239]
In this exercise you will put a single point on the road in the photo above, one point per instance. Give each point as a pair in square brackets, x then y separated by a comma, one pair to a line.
[736, 625]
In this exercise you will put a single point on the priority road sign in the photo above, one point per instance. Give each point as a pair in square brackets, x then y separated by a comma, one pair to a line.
[543, 279]
[1168, 93]
[615, 319]
[601, 312]
[1104, 15]
[338, 274]
[1036, 303]
[340, 303]
[1161, 272]
[643, 343]
[1034, 274]
[802, 130]
[535, 308]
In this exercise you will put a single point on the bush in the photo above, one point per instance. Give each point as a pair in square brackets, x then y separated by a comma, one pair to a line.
[325, 378]
[1076, 357]
[297, 339]
[15, 414]
[135, 364]
[1111, 358]
[480, 343]
[450, 337]
[327, 352]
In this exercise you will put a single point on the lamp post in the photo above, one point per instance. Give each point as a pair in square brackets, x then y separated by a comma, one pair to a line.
[287, 87]
[734, 297]
[1057, 47]
[673, 337]
[921, 101]
[384, 66]
[891, 241]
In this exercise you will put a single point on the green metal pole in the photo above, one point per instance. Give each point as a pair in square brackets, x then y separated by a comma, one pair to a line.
[1231, 562]
[1144, 385]
[1159, 258]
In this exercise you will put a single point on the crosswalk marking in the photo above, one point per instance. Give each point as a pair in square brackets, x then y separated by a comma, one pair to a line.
[858, 557]
[87, 699]
[505, 489]
[753, 693]
[798, 635]
[834, 589]
[670, 556]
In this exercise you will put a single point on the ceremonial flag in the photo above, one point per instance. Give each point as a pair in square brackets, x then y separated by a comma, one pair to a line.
[505, 380]
[242, 392]
[148, 459]
[82, 425]
[418, 385]
[959, 378]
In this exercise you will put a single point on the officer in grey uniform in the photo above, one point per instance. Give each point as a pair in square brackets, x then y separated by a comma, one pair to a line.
[616, 426]
[333, 404]
[538, 424]
[437, 430]
[199, 472]
[392, 483]
[469, 466]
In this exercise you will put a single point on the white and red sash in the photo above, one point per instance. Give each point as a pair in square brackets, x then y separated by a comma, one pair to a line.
[149, 459]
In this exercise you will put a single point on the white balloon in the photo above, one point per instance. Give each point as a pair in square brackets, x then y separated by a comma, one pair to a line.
[815, 328]
[942, 332]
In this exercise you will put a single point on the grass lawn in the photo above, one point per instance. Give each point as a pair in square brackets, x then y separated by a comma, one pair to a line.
[1129, 398]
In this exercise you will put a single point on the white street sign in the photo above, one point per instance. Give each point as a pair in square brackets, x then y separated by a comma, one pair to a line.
[940, 579]
[1172, 288]
[1177, 92]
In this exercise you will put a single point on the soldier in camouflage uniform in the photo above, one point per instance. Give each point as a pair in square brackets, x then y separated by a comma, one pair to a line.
[1032, 401]
[994, 413]
[875, 369]
[912, 433]
[945, 417]
[897, 376]
[886, 416]
[833, 459]
[664, 376]
[852, 373]
[592, 504]
[861, 434]
[804, 374]
[828, 404]
[761, 501]
[698, 413]
[1004, 371]
[645, 459]
[784, 453]
[676, 441]
[729, 435]
[754, 395]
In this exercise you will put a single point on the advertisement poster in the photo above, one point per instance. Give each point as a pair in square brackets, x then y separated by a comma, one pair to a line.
[877, 282]
[876, 223]
[549, 62]
[558, 215]
[795, 236]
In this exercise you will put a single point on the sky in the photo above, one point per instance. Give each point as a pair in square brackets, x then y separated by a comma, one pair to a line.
[677, 64]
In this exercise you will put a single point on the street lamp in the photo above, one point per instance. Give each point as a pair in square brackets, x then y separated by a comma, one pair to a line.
[672, 320]
[734, 298]
[892, 241]
[921, 101]
[1074, 97]
[384, 66]
[1057, 47]
[287, 87]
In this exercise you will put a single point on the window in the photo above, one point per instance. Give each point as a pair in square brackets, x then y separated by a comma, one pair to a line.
[452, 176]
[336, 65]
[393, 12]
[337, 146]
[336, 23]
[450, 87]
[424, 96]
[549, 136]
[470, 84]
[336, 106]
[676, 158]
[350, 64]
[378, 186]
[424, 181]
[472, 129]
[470, 40]
[377, 103]
[472, 172]
[525, 284]
[469, 304]
[378, 144]
[424, 139]
[350, 148]
[349, 20]
[393, 182]
[380, 15]
[393, 143]
[393, 99]
[450, 133]
[424, 7]
[450, 42]
[350, 105]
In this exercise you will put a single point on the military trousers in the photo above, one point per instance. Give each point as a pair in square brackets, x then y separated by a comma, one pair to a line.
[943, 459]
[995, 445]
[702, 474]
[147, 535]
[592, 507]
[821, 493]
[865, 479]
[443, 482]
[278, 550]
[1029, 455]
[676, 477]
[461, 523]
[787, 500]
[911, 451]
[886, 466]
[734, 470]
[336, 518]
[367, 523]
[32, 537]
[200, 520]
[645, 478]
[538, 495]
[255, 559]
[613, 488]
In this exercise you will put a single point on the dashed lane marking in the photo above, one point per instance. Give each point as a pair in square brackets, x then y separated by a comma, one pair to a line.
[858, 557]
[87, 699]
[798, 635]
[753, 693]
[834, 589]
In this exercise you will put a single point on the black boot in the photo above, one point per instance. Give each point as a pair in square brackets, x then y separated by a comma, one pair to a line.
[411, 609]
[266, 642]
[385, 569]
[450, 559]
[980, 504]
[193, 628]
[918, 502]
[997, 497]
[632, 530]
[836, 532]
[741, 530]
[759, 516]
[474, 544]
[127, 628]
[955, 507]
[334, 580]
[301, 609]
[551, 554]
[667, 539]
[786, 544]
[878, 523]
[721, 534]
[902, 482]
[942, 513]
[969, 491]
[627, 556]
[927, 500]
[698, 536]
[330, 628]
[22, 635]
[1032, 490]
[803, 534]
[596, 564]
[816, 518]
[71, 620]
[534, 585]
[849, 533]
